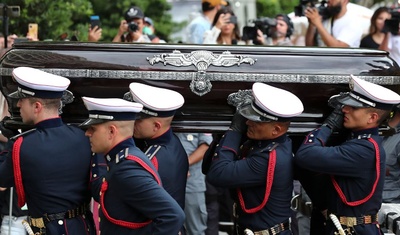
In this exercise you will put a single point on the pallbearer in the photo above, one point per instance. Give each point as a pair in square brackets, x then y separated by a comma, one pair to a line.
[131, 197]
[49, 165]
[259, 172]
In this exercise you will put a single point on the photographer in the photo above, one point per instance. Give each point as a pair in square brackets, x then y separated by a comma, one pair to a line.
[131, 29]
[391, 41]
[279, 34]
[338, 29]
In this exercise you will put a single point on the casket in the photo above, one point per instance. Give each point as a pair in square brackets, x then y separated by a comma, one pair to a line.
[204, 74]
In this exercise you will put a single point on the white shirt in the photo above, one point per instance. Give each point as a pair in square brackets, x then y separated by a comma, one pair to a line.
[394, 47]
[345, 29]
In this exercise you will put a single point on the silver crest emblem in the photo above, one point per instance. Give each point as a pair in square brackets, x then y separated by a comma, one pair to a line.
[201, 85]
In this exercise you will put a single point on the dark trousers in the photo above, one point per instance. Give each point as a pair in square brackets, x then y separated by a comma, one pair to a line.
[317, 223]
[219, 208]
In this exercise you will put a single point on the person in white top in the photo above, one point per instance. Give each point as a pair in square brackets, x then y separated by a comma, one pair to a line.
[196, 28]
[340, 29]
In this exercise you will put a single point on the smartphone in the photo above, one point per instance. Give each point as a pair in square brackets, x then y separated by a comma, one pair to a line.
[94, 21]
[233, 19]
[33, 30]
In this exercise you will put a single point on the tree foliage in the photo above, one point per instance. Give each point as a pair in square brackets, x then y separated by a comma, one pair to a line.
[269, 8]
[56, 17]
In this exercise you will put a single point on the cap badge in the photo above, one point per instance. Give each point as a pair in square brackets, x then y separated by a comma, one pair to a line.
[132, 12]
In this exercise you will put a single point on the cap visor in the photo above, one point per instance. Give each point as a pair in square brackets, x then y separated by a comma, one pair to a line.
[17, 95]
[248, 112]
[90, 122]
[350, 101]
[224, 3]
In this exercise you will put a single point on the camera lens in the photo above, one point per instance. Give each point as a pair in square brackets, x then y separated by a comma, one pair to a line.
[132, 26]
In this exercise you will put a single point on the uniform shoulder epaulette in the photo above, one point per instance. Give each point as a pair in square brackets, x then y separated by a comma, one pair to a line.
[122, 154]
[270, 147]
[364, 136]
[23, 134]
[152, 150]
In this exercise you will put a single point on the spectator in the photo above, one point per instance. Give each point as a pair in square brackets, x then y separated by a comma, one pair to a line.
[199, 25]
[225, 29]
[131, 28]
[337, 28]
[391, 144]
[391, 187]
[150, 31]
[280, 34]
[375, 37]
[195, 144]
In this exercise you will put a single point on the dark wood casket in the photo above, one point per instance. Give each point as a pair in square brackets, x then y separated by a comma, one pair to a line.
[204, 74]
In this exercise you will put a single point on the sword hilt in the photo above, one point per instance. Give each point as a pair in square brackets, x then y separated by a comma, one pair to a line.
[28, 228]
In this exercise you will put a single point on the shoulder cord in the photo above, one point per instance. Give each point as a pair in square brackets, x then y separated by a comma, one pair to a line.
[104, 187]
[19, 187]
[378, 173]
[268, 186]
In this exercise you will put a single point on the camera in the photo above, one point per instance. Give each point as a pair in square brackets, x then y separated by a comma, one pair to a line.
[264, 24]
[322, 8]
[392, 25]
[12, 11]
[132, 26]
